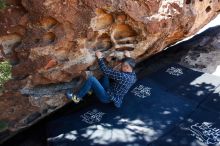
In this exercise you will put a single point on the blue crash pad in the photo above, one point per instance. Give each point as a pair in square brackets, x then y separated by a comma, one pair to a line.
[154, 112]
[147, 113]
[202, 128]
[173, 75]
[212, 101]
[198, 89]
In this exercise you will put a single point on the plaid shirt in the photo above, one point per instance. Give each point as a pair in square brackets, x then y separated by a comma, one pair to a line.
[122, 81]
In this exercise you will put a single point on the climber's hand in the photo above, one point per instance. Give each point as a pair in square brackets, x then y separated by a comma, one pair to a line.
[98, 54]
[109, 58]
[127, 54]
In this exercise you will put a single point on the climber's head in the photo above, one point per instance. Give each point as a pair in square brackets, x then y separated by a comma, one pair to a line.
[128, 64]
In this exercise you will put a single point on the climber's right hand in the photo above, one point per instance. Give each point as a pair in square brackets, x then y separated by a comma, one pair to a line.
[127, 54]
[98, 54]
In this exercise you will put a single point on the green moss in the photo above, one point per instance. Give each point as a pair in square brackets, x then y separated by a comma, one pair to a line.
[5, 73]
[2, 4]
[3, 126]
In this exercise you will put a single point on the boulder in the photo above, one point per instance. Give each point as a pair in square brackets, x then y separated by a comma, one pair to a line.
[52, 42]
[70, 32]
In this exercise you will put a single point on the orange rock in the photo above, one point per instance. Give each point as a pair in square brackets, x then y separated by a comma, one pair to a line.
[9, 41]
[18, 29]
[103, 42]
[48, 22]
[91, 35]
[122, 31]
[103, 45]
[49, 37]
[103, 20]
[50, 64]
[104, 36]
[121, 18]
[100, 11]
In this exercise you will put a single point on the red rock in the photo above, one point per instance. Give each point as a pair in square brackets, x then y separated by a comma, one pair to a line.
[50, 64]
[102, 21]
[41, 33]
[48, 22]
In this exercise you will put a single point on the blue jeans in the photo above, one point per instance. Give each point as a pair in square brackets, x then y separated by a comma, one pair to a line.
[92, 84]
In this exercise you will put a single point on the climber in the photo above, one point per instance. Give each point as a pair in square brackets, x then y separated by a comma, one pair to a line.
[109, 91]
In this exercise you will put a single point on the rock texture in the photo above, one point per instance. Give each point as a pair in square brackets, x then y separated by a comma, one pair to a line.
[35, 136]
[52, 42]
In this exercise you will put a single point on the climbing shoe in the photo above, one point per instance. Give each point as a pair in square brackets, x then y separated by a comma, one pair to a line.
[90, 93]
[75, 99]
[71, 96]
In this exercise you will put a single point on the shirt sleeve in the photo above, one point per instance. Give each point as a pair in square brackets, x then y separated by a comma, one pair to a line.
[113, 74]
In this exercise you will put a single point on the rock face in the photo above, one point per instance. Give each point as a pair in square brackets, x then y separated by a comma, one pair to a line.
[54, 41]
[50, 42]
[200, 53]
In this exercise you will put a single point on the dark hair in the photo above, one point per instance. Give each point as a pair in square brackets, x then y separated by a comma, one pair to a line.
[129, 61]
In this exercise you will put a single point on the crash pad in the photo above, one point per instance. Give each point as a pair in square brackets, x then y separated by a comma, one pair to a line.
[202, 128]
[163, 108]
[147, 113]
[173, 74]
